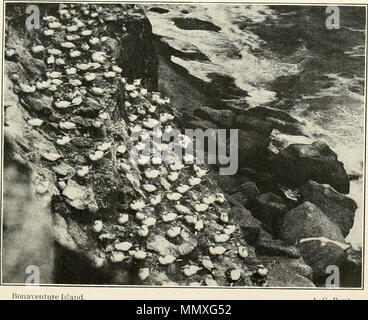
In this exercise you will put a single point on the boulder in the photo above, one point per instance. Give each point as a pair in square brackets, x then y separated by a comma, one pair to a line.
[338, 207]
[223, 118]
[318, 238]
[287, 272]
[246, 122]
[319, 256]
[299, 163]
[250, 190]
[277, 119]
[306, 221]
[270, 209]
[351, 270]
[276, 247]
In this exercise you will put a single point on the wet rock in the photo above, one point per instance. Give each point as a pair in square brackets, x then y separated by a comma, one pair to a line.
[338, 207]
[249, 225]
[282, 141]
[278, 119]
[246, 122]
[195, 24]
[223, 118]
[159, 10]
[315, 161]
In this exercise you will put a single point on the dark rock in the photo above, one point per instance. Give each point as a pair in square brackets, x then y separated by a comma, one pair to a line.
[253, 123]
[200, 124]
[223, 118]
[83, 142]
[195, 24]
[319, 256]
[276, 248]
[39, 104]
[84, 122]
[252, 147]
[230, 184]
[159, 10]
[270, 209]
[137, 58]
[250, 190]
[279, 119]
[286, 272]
[338, 207]
[351, 270]
[239, 197]
[249, 225]
[307, 221]
[303, 162]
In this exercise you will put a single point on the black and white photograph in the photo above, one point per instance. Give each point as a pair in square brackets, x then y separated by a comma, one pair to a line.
[202, 145]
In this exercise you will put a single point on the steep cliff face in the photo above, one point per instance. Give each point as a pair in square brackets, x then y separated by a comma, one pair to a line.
[75, 92]
[73, 96]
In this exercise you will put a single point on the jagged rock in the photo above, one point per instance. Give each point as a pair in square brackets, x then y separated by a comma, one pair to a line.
[250, 190]
[316, 161]
[162, 246]
[230, 184]
[79, 196]
[351, 270]
[319, 256]
[338, 207]
[246, 122]
[308, 221]
[223, 118]
[305, 221]
[278, 119]
[270, 209]
[249, 225]
[252, 147]
[199, 124]
[282, 141]
[287, 272]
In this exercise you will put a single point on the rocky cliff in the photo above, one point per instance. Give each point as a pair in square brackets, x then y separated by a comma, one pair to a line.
[75, 91]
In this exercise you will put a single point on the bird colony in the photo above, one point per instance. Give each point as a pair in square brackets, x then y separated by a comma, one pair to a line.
[175, 228]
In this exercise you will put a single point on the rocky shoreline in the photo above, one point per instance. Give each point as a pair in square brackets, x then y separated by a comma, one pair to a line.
[280, 222]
